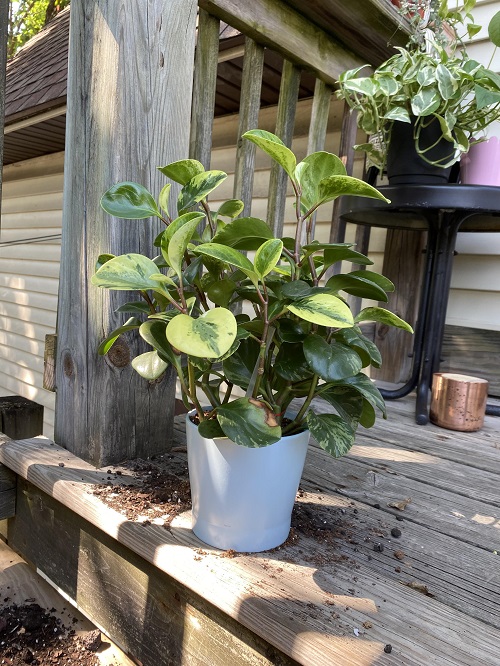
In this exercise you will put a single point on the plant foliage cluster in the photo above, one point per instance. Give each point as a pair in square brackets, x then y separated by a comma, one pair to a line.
[27, 18]
[432, 79]
[296, 336]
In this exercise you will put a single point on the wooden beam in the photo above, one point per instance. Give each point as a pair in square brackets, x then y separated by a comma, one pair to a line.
[275, 24]
[251, 83]
[285, 121]
[129, 96]
[4, 26]
[205, 80]
[49, 362]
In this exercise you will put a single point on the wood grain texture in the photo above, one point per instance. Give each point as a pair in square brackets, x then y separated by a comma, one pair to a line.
[129, 95]
[285, 121]
[4, 23]
[251, 83]
[49, 362]
[301, 42]
[306, 599]
[403, 264]
[205, 79]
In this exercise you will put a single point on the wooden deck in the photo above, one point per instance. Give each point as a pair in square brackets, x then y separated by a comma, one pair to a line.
[431, 595]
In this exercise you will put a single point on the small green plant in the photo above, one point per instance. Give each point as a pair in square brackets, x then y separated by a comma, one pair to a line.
[296, 336]
[432, 80]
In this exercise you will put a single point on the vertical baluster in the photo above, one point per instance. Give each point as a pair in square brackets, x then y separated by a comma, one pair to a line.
[285, 121]
[253, 64]
[205, 79]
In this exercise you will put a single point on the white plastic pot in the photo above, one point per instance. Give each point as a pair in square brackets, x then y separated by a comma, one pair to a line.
[243, 498]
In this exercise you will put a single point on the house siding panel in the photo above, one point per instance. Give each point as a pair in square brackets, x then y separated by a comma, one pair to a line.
[29, 271]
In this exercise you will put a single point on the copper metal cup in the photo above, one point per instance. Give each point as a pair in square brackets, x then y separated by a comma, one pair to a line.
[458, 401]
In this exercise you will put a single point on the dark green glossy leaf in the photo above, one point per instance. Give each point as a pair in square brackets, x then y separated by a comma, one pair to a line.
[228, 255]
[368, 390]
[295, 290]
[102, 259]
[290, 362]
[134, 306]
[245, 233]
[376, 278]
[249, 422]
[221, 292]
[290, 331]
[368, 415]
[347, 402]
[331, 432]
[239, 367]
[367, 350]
[149, 365]
[210, 429]
[357, 286]
[332, 255]
[198, 188]
[130, 201]
[110, 340]
[331, 361]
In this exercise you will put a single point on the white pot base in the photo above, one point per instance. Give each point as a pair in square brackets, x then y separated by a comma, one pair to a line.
[240, 541]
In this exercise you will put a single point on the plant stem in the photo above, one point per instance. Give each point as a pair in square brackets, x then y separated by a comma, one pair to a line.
[296, 421]
[148, 300]
[192, 390]
[206, 208]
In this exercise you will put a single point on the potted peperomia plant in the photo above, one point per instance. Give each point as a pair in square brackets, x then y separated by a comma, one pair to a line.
[293, 337]
[424, 106]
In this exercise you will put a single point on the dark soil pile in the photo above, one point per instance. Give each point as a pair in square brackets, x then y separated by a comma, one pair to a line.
[31, 635]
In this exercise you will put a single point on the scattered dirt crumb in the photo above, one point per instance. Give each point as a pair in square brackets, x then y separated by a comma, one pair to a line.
[401, 506]
[31, 635]
[420, 587]
[399, 555]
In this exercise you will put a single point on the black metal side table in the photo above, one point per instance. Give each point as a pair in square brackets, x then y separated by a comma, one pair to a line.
[442, 210]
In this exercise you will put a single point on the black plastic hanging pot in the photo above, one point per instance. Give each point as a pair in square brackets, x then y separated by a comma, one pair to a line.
[406, 167]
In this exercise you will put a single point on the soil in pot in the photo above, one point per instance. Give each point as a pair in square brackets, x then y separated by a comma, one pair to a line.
[404, 164]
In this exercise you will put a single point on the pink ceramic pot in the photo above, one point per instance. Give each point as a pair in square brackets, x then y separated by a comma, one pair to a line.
[481, 165]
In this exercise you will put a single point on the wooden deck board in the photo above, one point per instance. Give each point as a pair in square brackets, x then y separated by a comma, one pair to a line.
[340, 602]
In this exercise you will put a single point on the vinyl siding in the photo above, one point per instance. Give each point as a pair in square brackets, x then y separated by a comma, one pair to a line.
[29, 272]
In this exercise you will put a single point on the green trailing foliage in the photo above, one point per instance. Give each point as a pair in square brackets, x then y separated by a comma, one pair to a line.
[296, 336]
[433, 79]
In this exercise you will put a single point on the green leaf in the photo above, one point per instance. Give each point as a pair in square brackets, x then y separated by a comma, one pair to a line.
[126, 272]
[356, 285]
[198, 188]
[110, 340]
[267, 256]
[291, 364]
[314, 169]
[494, 29]
[335, 186]
[129, 201]
[383, 316]
[228, 255]
[368, 415]
[249, 422]
[347, 402]
[331, 432]
[182, 171]
[102, 259]
[210, 335]
[210, 429]
[398, 113]
[220, 292]
[275, 148]
[164, 197]
[367, 389]
[173, 228]
[149, 365]
[366, 349]
[331, 361]
[134, 306]
[447, 83]
[295, 290]
[485, 97]
[178, 245]
[290, 330]
[245, 233]
[332, 255]
[425, 102]
[323, 309]
[239, 367]
[154, 333]
[231, 208]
